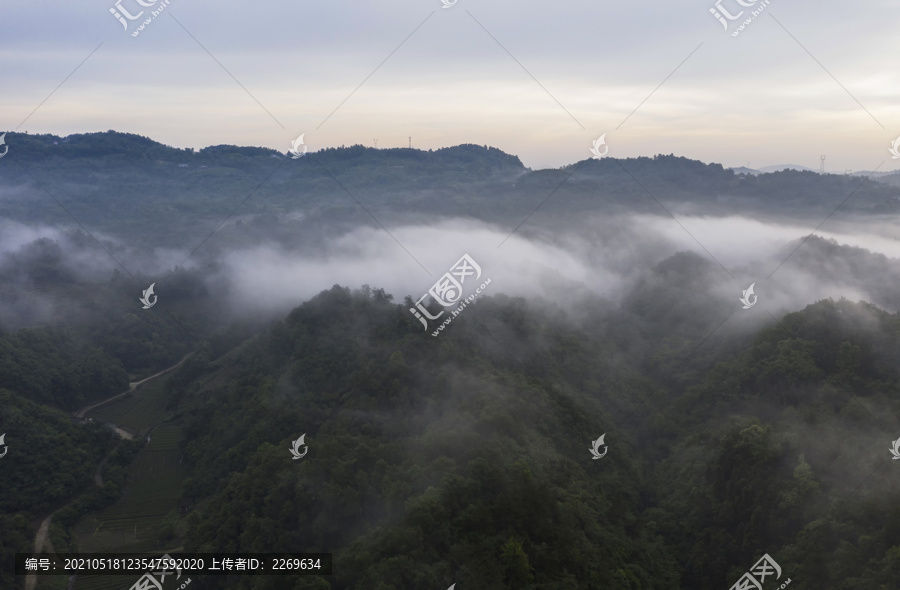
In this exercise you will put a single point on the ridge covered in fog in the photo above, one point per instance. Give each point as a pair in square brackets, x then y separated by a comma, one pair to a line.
[253, 231]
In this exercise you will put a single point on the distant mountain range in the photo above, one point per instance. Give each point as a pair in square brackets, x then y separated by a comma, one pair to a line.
[782, 167]
[144, 192]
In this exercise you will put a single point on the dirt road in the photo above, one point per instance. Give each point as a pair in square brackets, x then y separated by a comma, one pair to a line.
[42, 538]
[131, 387]
[41, 541]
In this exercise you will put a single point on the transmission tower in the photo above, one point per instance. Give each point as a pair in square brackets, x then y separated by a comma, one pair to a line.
[822, 165]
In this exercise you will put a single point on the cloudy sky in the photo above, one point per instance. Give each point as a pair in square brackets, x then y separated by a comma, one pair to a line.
[540, 80]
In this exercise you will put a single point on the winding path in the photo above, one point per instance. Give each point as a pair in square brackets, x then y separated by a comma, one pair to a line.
[41, 540]
[42, 537]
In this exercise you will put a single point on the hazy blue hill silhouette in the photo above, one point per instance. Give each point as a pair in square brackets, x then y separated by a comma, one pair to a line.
[141, 190]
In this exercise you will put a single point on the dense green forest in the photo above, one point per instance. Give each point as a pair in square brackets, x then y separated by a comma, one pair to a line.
[49, 466]
[93, 336]
[464, 459]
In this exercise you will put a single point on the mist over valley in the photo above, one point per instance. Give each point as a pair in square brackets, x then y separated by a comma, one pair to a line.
[449, 295]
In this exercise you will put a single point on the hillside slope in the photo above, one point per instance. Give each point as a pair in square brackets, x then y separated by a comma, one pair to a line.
[466, 459]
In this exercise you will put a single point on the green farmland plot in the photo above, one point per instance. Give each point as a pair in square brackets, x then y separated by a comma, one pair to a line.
[133, 523]
[137, 412]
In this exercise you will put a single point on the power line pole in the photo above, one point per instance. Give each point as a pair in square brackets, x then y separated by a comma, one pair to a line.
[410, 143]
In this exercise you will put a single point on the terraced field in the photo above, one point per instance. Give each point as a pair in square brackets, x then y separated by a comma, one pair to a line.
[132, 524]
[137, 412]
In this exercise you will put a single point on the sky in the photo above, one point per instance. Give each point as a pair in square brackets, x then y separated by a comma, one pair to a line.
[540, 80]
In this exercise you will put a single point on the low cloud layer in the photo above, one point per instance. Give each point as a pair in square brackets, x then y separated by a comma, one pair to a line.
[603, 256]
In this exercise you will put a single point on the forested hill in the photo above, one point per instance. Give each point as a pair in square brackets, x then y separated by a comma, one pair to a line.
[465, 458]
[139, 190]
